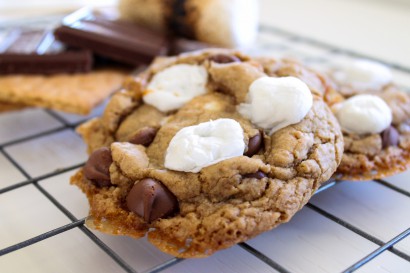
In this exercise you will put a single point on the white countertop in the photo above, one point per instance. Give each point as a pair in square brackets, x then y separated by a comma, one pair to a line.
[34, 143]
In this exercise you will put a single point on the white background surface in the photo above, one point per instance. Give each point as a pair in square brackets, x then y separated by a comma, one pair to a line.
[311, 242]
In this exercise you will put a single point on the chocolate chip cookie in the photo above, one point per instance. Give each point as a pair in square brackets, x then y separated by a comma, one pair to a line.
[208, 149]
[375, 118]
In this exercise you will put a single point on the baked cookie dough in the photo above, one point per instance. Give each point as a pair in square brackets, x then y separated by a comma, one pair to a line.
[239, 146]
[375, 118]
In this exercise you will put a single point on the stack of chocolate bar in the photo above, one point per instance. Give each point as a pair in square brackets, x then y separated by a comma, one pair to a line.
[71, 46]
[36, 51]
[30, 60]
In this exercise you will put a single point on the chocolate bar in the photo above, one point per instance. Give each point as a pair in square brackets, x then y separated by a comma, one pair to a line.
[37, 52]
[117, 40]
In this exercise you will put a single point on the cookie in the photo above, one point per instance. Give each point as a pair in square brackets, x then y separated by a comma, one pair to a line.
[375, 118]
[74, 93]
[208, 149]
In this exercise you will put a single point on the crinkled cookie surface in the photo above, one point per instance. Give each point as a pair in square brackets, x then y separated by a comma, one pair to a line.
[191, 214]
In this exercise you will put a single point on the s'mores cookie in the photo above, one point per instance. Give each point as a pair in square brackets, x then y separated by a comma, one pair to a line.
[206, 150]
[375, 118]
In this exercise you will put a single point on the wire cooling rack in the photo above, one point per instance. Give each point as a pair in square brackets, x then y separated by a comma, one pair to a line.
[346, 227]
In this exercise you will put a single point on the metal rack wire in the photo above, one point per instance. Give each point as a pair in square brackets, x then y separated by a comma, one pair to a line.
[79, 223]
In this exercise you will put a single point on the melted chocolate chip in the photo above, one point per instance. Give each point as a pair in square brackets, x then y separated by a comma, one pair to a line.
[390, 137]
[151, 200]
[254, 145]
[224, 59]
[257, 175]
[143, 136]
[97, 168]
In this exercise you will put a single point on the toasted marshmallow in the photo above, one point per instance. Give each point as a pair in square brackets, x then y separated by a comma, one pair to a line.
[274, 103]
[174, 86]
[227, 23]
[202, 145]
[231, 23]
[364, 114]
[362, 75]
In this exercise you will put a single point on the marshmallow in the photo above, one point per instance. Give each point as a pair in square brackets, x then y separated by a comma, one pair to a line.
[362, 75]
[174, 86]
[202, 145]
[274, 103]
[227, 23]
[364, 114]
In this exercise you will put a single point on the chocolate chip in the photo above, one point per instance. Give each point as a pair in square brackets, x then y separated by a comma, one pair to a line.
[97, 168]
[254, 145]
[390, 137]
[224, 59]
[151, 200]
[144, 136]
[257, 175]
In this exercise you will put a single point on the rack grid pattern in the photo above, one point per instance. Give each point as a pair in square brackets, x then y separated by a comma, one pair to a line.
[368, 222]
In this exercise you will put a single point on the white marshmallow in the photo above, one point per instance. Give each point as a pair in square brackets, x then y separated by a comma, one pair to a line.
[362, 75]
[364, 114]
[174, 86]
[202, 145]
[274, 103]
